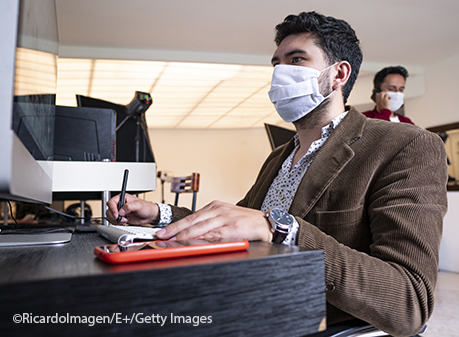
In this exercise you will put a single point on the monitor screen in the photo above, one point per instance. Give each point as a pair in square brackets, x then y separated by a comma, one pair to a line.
[33, 123]
[28, 57]
[278, 135]
[127, 131]
[84, 134]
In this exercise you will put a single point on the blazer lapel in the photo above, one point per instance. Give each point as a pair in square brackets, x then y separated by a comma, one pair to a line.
[328, 163]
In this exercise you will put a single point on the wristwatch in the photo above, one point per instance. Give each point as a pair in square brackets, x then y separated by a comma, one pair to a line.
[281, 223]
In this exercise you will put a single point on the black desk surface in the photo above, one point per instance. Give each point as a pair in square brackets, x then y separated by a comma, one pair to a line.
[269, 289]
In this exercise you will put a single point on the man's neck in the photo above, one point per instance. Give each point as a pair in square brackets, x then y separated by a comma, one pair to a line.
[311, 130]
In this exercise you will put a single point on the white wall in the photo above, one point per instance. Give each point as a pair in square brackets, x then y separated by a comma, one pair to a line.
[439, 104]
[449, 249]
[228, 161]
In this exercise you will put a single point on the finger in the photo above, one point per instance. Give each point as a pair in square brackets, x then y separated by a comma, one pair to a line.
[132, 205]
[109, 216]
[224, 232]
[182, 228]
[235, 232]
[202, 228]
[129, 197]
[172, 229]
[112, 205]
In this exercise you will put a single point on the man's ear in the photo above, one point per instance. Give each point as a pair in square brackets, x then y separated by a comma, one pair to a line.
[342, 74]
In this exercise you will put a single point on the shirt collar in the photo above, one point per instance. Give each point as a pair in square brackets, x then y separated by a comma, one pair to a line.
[327, 129]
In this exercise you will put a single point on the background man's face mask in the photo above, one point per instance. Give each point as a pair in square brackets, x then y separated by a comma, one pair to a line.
[396, 100]
[295, 91]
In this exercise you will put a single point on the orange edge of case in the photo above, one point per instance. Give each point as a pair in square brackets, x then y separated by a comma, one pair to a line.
[167, 253]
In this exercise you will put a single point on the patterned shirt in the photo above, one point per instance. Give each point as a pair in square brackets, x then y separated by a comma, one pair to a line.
[284, 186]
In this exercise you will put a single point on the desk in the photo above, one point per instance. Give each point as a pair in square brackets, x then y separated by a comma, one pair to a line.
[268, 290]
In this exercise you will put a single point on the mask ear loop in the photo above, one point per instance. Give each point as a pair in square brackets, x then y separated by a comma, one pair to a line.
[334, 64]
[330, 94]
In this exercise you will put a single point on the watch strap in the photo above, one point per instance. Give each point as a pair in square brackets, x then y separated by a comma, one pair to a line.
[280, 233]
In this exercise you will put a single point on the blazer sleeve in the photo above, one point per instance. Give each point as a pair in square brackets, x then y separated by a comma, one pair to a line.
[392, 285]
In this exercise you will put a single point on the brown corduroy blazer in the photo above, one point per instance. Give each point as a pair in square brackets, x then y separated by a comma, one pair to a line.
[373, 200]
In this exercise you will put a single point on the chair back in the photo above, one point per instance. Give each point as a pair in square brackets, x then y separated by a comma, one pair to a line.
[187, 184]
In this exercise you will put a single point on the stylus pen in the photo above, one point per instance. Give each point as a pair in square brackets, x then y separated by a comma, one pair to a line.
[123, 193]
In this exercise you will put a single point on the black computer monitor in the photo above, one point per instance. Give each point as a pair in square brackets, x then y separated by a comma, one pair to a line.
[278, 135]
[126, 133]
[84, 134]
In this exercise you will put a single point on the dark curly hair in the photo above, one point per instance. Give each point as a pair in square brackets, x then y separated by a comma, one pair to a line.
[335, 37]
[381, 75]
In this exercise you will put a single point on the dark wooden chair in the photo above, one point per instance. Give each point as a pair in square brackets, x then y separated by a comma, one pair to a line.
[187, 184]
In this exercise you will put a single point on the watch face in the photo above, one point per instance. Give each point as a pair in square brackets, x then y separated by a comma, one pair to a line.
[281, 216]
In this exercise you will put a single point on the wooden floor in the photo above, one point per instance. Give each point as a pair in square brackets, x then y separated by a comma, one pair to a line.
[445, 318]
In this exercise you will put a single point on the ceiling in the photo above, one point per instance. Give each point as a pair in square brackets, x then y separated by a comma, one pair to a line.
[95, 33]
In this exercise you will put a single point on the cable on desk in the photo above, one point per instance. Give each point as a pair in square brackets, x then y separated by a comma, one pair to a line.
[11, 213]
[68, 215]
[17, 227]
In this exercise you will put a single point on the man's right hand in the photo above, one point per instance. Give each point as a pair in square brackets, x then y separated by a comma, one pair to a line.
[382, 101]
[135, 211]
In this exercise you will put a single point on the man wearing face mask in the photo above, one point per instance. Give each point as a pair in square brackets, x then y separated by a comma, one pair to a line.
[370, 194]
[388, 94]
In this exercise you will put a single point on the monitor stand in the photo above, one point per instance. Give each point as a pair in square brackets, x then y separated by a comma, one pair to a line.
[9, 240]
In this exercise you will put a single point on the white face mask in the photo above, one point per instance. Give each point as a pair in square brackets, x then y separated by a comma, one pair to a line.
[396, 100]
[295, 91]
